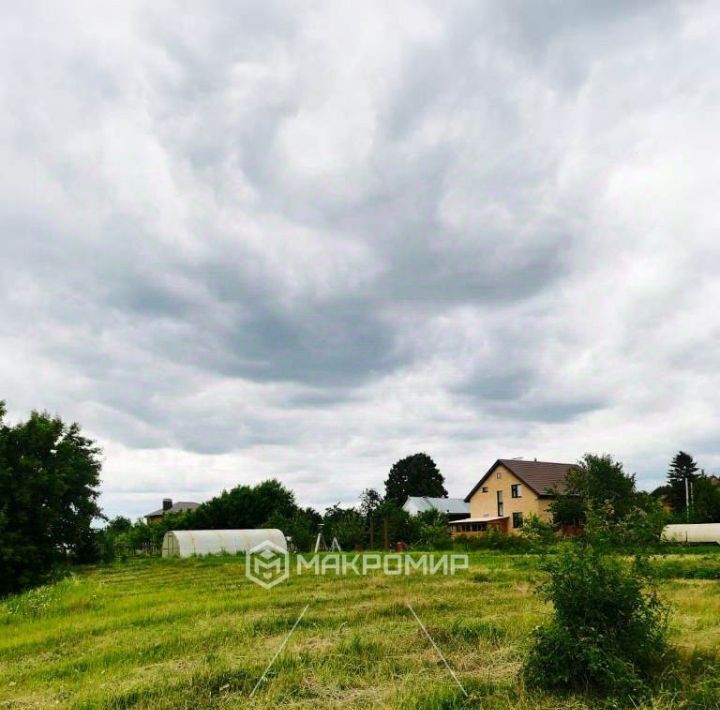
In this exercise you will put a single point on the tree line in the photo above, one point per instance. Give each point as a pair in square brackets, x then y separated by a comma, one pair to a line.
[377, 521]
[50, 478]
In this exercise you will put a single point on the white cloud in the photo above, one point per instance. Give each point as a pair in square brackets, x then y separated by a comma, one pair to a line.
[243, 240]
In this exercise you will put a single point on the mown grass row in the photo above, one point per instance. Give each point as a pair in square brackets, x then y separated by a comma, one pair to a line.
[196, 633]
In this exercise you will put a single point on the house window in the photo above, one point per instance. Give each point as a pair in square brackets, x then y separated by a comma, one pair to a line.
[499, 474]
[500, 506]
[485, 489]
[517, 520]
[516, 491]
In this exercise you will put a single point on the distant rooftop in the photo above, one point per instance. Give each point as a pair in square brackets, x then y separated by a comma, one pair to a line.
[180, 507]
[451, 506]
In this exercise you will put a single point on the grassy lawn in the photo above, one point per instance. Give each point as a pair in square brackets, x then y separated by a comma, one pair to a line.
[195, 633]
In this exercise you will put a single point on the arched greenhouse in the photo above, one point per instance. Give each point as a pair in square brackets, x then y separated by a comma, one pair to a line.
[186, 543]
[699, 532]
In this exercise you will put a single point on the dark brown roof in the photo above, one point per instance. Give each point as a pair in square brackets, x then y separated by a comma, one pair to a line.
[179, 507]
[540, 476]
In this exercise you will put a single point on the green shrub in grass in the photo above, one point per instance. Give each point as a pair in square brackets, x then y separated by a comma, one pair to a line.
[608, 631]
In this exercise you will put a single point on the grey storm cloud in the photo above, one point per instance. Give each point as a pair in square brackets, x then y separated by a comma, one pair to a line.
[248, 239]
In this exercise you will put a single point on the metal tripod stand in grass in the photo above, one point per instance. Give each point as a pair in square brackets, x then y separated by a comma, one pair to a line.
[321, 545]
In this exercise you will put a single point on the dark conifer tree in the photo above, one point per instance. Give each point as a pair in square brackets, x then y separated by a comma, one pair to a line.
[682, 467]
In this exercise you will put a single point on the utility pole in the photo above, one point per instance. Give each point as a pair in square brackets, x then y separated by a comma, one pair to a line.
[687, 501]
[372, 531]
[692, 495]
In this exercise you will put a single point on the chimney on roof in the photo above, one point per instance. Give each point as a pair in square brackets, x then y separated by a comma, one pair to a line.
[167, 504]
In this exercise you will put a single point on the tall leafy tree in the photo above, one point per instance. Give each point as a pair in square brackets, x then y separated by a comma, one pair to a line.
[399, 525]
[601, 496]
[415, 475]
[49, 478]
[370, 501]
[706, 500]
[682, 467]
[345, 524]
[242, 507]
[596, 482]
[301, 527]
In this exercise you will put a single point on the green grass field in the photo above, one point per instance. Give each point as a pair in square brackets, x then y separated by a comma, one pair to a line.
[195, 633]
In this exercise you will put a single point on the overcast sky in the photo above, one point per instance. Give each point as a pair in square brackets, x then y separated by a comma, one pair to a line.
[303, 240]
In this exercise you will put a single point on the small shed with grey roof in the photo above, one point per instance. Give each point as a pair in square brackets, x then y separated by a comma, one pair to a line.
[454, 508]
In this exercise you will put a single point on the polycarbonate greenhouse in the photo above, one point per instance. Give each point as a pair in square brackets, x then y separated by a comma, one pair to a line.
[699, 532]
[186, 543]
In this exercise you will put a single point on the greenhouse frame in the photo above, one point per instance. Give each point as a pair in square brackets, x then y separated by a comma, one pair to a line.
[187, 543]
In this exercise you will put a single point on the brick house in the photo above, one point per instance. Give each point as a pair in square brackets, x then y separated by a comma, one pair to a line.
[510, 491]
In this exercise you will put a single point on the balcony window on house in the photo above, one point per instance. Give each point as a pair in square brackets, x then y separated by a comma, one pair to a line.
[500, 504]
[517, 520]
[516, 491]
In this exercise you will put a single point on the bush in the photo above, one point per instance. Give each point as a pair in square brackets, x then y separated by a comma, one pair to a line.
[608, 630]
[639, 528]
[494, 539]
[347, 525]
[433, 532]
[538, 531]
[301, 527]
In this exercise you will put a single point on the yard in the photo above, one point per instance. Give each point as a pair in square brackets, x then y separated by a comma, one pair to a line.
[195, 633]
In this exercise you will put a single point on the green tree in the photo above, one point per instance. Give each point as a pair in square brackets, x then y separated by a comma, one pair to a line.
[600, 496]
[345, 524]
[113, 537]
[49, 478]
[401, 526]
[595, 483]
[301, 527]
[370, 501]
[119, 525]
[241, 507]
[415, 475]
[706, 501]
[682, 468]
